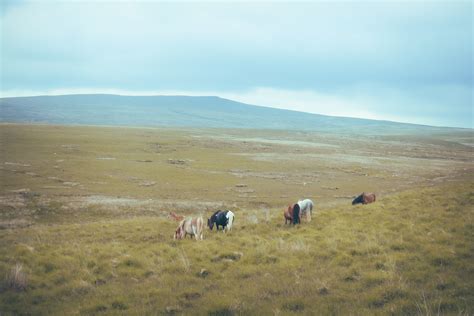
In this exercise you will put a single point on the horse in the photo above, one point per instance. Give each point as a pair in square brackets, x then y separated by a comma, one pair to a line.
[219, 218]
[288, 214]
[306, 208]
[176, 217]
[190, 226]
[364, 198]
[296, 214]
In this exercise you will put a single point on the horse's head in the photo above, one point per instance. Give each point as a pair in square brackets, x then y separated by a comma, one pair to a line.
[177, 233]
[210, 223]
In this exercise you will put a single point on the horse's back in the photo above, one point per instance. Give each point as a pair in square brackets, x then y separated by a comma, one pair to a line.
[369, 198]
[305, 204]
[194, 226]
[222, 218]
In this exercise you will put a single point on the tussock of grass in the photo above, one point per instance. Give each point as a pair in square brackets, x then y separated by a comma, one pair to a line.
[17, 278]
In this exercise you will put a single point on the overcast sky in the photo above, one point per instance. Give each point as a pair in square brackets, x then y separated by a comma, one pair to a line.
[409, 61]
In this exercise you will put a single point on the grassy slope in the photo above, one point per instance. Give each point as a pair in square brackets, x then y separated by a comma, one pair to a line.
[91, 241]
[408, 253]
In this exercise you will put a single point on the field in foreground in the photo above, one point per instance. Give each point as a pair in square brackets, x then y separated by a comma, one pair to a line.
[84, 224]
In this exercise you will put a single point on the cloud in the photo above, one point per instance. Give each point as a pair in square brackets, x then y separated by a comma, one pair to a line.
[224, 45]
[343, 58]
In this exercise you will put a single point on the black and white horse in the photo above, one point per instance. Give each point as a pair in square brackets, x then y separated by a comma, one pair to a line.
[221, 218]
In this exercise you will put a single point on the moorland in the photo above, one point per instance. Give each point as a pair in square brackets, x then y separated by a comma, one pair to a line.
[84, 225]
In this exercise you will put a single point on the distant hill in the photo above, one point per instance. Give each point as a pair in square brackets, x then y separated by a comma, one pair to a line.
[184, 111]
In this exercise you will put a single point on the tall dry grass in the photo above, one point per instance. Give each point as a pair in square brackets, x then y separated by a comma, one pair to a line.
[17, 278]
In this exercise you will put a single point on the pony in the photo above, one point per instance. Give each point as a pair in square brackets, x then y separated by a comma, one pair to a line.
[364, 198]
[306, 208]
[219, 218]
[190, 226]
[176, 217]
[296, 214]
[288, 214]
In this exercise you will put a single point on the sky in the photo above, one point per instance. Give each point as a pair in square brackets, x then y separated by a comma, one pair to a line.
[406, 61]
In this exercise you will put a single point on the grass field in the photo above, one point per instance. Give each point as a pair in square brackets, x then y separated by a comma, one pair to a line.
[84, 226]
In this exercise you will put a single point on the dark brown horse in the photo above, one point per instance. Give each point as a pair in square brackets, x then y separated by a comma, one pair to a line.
[364, 198]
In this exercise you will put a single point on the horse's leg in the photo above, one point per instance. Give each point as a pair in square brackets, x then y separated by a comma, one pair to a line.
[194, 232]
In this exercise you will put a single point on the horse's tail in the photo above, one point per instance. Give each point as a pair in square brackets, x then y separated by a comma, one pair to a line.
[197, 231]
[200, 225]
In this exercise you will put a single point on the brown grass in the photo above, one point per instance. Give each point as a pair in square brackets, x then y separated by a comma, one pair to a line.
[17, 279]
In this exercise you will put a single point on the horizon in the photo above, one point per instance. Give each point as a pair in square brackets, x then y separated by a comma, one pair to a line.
[389, 61]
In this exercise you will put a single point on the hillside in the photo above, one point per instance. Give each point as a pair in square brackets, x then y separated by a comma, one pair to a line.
[185, 111]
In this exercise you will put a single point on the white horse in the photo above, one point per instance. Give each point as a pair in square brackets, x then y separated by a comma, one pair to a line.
[192, 226]
[230, 221]
[306, 208]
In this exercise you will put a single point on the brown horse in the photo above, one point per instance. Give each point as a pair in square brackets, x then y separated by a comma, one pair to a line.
[364, 198]
[288, 214]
